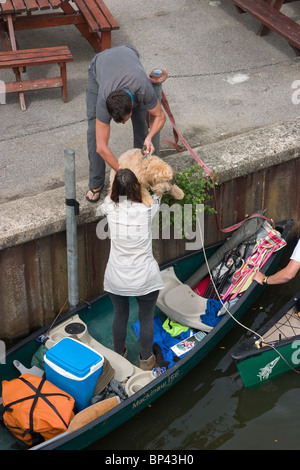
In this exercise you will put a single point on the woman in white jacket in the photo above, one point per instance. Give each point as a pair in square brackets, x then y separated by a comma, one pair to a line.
[131, 269]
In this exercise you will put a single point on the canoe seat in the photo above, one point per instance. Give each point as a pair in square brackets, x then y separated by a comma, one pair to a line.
[180, 303]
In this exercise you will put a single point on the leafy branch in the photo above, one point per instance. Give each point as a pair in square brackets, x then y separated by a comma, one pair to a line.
[197, 190]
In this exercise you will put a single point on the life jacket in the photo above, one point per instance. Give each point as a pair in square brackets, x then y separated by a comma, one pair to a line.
[34, 409]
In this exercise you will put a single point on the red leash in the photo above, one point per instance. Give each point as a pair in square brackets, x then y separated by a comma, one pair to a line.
[177, 135]
[175, 144]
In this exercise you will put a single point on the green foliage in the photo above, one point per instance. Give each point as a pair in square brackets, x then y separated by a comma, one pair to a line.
[197, 190]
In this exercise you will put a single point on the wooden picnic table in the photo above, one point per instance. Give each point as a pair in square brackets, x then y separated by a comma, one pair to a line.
[268, 13]
[91, 17]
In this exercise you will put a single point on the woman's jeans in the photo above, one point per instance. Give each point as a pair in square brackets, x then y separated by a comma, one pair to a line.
[146, 305]
[139, 124]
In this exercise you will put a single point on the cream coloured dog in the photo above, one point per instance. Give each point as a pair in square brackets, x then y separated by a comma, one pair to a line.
[152, 172]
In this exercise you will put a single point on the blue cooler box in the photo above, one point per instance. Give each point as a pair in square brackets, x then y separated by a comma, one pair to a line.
[75, 368]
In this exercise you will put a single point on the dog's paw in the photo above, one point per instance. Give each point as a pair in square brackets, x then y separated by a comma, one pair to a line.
[176, 192]
[147, 200]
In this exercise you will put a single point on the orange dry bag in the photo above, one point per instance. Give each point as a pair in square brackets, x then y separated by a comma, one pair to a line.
[34, 409]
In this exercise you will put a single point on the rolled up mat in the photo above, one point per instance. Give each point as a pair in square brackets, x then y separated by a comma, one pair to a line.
[92, 412]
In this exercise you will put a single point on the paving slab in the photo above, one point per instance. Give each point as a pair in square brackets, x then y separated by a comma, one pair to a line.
[223, 81]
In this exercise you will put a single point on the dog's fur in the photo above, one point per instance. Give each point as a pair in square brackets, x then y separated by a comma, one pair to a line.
[152, 172]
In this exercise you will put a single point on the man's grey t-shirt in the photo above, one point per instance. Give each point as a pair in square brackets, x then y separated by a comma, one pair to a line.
[120, 68]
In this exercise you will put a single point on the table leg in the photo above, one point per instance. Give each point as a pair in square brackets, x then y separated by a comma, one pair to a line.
[92, 37]
[105, 40]
[277, 4]
[17, 72]
[63, 74]
[4, 39]
[239, 9]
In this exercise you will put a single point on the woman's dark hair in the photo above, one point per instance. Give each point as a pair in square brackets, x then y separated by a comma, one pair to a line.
[126, 184]
[119, 105]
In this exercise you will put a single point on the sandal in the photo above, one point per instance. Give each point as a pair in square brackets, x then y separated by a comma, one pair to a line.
[98, 191]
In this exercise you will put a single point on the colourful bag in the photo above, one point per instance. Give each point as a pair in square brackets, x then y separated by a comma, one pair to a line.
[34, 409]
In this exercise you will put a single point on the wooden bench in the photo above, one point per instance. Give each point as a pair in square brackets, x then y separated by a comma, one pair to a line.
[267, 12]
[20, 59]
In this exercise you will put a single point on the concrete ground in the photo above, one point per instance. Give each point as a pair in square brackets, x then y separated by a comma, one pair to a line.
[223, 81]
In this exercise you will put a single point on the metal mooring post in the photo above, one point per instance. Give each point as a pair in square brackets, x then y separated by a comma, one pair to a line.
[72, 210]
[157, 77]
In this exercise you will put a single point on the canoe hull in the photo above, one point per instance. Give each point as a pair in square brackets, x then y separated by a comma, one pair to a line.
[258, 365]
[103, 425]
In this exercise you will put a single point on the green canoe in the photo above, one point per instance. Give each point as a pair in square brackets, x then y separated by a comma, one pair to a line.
[92, 324]
[274, 350]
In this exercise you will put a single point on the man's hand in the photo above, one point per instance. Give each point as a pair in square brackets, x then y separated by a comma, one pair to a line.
[148, 146]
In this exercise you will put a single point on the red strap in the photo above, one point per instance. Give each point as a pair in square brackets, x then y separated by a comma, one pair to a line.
[177, 135]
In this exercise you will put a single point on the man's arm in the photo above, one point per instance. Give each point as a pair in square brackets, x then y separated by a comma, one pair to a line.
[159, 120]
[282, 276]
[102, 138]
